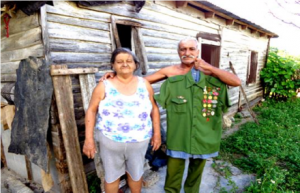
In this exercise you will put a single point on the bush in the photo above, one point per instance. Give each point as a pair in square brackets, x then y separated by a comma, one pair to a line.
[281, 76]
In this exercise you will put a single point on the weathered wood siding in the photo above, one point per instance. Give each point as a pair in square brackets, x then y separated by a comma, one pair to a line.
[82, 36]
[78, 37]
[24, 40]
[236, 47]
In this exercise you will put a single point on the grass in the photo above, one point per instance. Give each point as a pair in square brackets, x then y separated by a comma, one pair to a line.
[271, 150]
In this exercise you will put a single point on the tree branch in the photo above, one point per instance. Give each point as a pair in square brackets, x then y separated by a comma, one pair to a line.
[287, 22]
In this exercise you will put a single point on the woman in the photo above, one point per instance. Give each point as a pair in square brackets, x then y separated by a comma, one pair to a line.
[127, 115]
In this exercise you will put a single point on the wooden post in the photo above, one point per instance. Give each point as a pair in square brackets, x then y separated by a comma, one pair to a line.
[245, 96]
[140, 50]
[240, 102]
[64, 99]
[87, 85]
[200, 46]
[115, 32]
[59, 151]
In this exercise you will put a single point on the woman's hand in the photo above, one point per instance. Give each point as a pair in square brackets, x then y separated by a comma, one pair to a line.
[107, 75]
[156, 141]
[89, 149]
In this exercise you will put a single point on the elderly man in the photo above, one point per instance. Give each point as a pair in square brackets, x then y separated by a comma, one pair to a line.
[194, 102]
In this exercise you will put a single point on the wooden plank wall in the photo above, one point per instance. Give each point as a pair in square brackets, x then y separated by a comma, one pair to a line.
[24, 40]
[82, 36]
[237, 47]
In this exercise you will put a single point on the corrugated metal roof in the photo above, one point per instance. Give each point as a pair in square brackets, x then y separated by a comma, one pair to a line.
[235, 17]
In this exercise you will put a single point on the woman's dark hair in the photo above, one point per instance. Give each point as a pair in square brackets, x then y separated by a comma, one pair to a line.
[127, 51]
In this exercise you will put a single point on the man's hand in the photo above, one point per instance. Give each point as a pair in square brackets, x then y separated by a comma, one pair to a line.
[89, 149]
[203, 66]
[107, 75]
[156, 141]
[228, 78]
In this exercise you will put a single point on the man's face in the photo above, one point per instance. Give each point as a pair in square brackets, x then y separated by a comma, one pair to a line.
[188, 52]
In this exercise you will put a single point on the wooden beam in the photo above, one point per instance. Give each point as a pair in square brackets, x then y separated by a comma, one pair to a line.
[128, 22]
[244, 26]
[87, 85]
[59, 151]
[200, 46]
[115, 32]
[198, 4]
[209, 14]
[253, 31]
[209, 36]
[140, 50]
[262, 34]
[64, 100]
[245, 97]
[45, 34]
[229, 21]
[58, 72]
[181, 3]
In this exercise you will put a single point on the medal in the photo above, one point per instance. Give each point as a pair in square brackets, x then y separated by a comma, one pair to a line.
[210, 101]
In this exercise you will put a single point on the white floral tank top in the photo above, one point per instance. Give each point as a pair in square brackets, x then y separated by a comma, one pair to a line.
[125, 118]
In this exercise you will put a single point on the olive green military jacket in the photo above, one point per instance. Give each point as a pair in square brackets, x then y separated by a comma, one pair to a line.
[194, 112]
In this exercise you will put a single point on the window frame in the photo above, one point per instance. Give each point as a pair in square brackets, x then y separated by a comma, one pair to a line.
[251, 77]
[138, 46]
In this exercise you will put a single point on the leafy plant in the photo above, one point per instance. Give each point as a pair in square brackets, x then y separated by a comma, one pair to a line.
[281, 76]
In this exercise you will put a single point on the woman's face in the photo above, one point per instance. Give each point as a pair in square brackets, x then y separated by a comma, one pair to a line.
[124, 64]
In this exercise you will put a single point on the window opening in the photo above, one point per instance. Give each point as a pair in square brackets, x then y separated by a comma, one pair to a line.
[124, 32]
[252, 68]
[211, 54]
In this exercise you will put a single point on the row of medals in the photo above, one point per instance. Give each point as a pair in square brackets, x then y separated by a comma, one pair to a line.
[210, 100]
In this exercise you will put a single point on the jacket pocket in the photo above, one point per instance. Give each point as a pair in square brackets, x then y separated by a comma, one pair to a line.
[179, 105]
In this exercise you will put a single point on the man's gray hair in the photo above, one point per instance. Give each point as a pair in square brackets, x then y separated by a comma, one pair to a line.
[187, 39]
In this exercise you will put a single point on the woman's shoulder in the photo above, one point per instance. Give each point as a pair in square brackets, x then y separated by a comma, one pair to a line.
[100, 86]
[143, 80]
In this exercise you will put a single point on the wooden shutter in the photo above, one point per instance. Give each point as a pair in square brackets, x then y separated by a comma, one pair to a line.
[253, 68]
[140, 50]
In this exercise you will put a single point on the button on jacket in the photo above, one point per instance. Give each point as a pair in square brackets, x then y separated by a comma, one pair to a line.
[188, 128]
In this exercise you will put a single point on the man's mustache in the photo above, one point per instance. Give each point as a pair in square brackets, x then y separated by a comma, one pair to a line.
[189, 56]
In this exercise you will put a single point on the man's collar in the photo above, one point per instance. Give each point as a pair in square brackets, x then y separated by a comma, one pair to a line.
[190, 81]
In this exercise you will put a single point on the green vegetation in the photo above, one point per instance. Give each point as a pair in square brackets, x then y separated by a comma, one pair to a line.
[281, 76]
[271, 150]
[93, 183]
